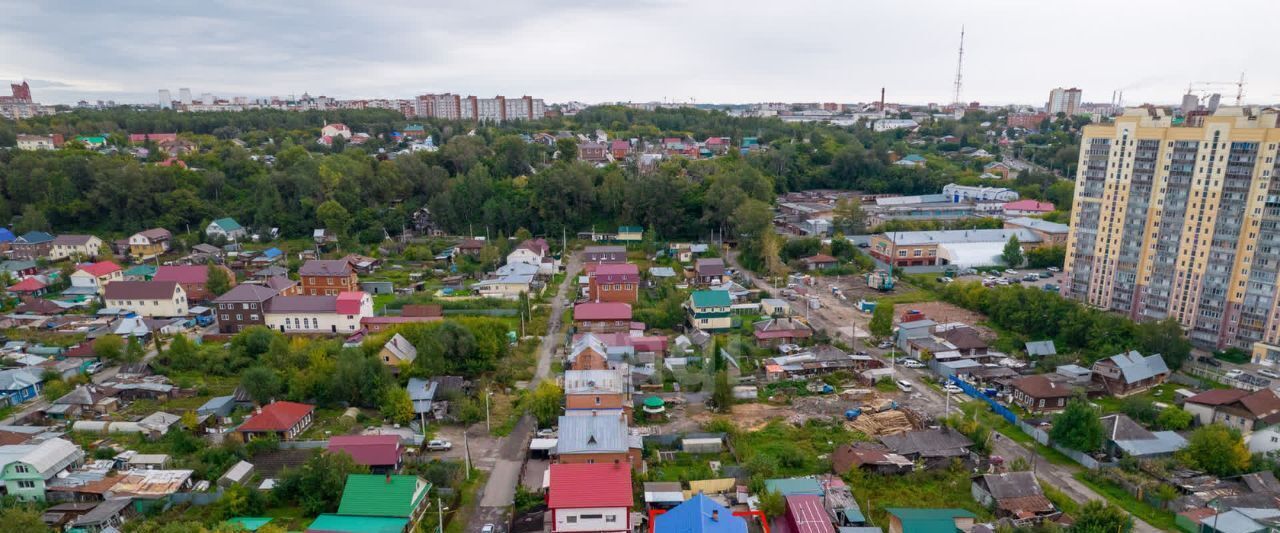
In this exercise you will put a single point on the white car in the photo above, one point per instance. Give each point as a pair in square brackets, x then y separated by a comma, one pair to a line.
[488, 528]
[439, 445]
[1268, 373]
[546, 433]
[1235, 373]
[1011, 272]
[952, 388]
[912, 363]
[1054, 269]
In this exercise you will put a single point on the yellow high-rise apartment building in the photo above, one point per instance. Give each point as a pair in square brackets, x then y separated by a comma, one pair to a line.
[1182, 220]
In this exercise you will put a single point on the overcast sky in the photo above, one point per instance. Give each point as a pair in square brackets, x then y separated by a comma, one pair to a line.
[710, 51]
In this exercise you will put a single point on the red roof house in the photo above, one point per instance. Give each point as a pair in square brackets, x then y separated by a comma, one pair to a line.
[819, 262]
[584, 492]
[138, 138]
[602, 317]
[100, 269]
[1027, 207]
[193, 278]
[615, 282]
[349, 302]
[31, 286]
[286, 420]
[805, 514]
[379, 452]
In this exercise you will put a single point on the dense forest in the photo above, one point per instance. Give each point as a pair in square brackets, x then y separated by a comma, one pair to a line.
[483, 179]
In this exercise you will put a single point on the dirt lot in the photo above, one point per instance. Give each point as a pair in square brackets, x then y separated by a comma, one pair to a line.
[942, 312]
[753, 416]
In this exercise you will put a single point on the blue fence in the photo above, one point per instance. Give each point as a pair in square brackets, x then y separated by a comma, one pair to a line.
[972, 391]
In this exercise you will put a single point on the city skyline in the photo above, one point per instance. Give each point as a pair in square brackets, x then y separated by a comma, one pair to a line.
[646, 51]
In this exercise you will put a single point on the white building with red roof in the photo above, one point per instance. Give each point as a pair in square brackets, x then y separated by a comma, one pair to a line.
[91, 278]
[318, 314]
[589, 497]
[336, 129]
[285, 420]
[602, 317]
[1027, 207]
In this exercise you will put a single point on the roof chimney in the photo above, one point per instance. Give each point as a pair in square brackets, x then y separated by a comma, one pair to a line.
[388, 478]
[715, 515]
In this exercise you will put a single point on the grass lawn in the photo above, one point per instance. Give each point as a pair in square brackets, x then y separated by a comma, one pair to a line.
[1117, 496]
[795, 450]
[1161, 393]
[687, 466]
[909, 296]
[922, 488]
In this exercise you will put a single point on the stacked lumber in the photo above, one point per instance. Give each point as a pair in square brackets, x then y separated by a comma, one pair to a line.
[890, 422]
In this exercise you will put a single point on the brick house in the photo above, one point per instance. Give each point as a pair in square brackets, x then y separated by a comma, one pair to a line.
[588, 392]
[615, 282]
[241, 307]
[31, 245]
[327, 277]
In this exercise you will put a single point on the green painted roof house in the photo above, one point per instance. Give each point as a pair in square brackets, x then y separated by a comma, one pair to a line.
[329, 523]
[249, 523]
[142, 272]
[389, 495]
[911, 520]
[709, 300]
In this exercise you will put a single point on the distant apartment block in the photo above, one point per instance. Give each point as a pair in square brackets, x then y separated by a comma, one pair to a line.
[1182, 222]
[497, 109]
[1063, 101]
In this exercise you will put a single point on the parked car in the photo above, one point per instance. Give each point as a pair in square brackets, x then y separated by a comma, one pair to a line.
[1235, 373]
[945, 279]
[1011, 272]
[1206, 360]
[864, 245]
[1054, 269]
[1045, 275]
[1050, 287]
[439, 445]
[1030, 277]
[488, 528]
[546, 433]
[952, 388]
[912, 363]
[885, 345]
[1268, 373]
[904, 385]
[93, 367]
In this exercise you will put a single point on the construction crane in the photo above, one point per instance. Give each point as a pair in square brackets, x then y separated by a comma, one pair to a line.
[1206, 86]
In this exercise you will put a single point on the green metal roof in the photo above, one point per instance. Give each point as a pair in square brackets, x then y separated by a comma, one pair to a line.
[653, 401]
[249, 523]
[141, 270]
[96, 139]
[357, 524]
[711, 299]
[630, 229]
[228, 224]
[793, 486]
[928, 520]
[376, 495]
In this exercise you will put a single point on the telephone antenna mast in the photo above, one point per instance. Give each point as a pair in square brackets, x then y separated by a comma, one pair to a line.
[959, 66]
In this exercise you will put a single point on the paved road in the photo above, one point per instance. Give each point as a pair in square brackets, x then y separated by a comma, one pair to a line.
[1059, 476]
[500, 490]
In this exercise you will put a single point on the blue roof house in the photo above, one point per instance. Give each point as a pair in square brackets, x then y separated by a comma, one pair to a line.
[699, 514]
[19, 385]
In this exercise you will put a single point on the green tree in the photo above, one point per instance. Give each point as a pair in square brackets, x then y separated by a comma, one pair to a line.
[219, 283]
[22, 518]
[1046, 256]
[261, 384]
[396, 406]
[1218, 450]
[1164, 337]
[567, 150]
[133, 351]
[882, 319]
[109, 348]
[772, 503]
[547, 403]
[55, 389]
[334, 217]
[848, 216]
[33, 219]
[722, 393]
[1098, 516]
[1077, 427]
[1174, 418]
[1012, 254]
[317, 485]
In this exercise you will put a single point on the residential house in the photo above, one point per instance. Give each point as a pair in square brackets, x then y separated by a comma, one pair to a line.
[602, 317]
[285, 420]
[147, 298]
[194, 279]
[381, 453]
[85, 401]
[604, 254]
[615, 282]
[140, 138]
[508, 287]
[1014, 495]
[219, 406]
[19, 269]
[869, 457]
[710, 310]
[776, 331]
[998, 168]
[816, 361]
[92, 278]
[804, 513]
[1126, 438]
[152, 488]
[630, 233]
[1027, 207]
[75, 246]
[387, 497]
[530, 251]
[28, 287]
[966, 340]
[1130, 373]
[318, 314]
[148, 244]
[422, 392]
[225, 228]
[708, 271]
[597, 392]
[397, 352]
[910, 520]
[588, 353]
[39, 142]
[31, 245]
[699, 514]
[1245, 411]
[819, 262]
[662, 494]
[936, 447]
[619, 149]
[597, 438]
[1040, 394]
[327, 277]
[471, 247]
[911, 161]
[28, 467]
[1041, 348]
[589, 497]
[593, 152]
[242, 306]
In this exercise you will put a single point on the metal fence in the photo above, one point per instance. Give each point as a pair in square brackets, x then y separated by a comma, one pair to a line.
[1082, 458]
[1036, 433]
[972, 391]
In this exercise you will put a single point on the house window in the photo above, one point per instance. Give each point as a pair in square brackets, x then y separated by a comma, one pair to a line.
[571, 519]
[1041, 403]
[21, 469]
[239, 316]
[597, 400]
[26, 484]
[253, 317]
[592, 516]
[611, 518]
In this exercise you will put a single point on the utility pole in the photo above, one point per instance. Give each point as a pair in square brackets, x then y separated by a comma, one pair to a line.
[487, 427]
[440, 510]
[466, 453]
